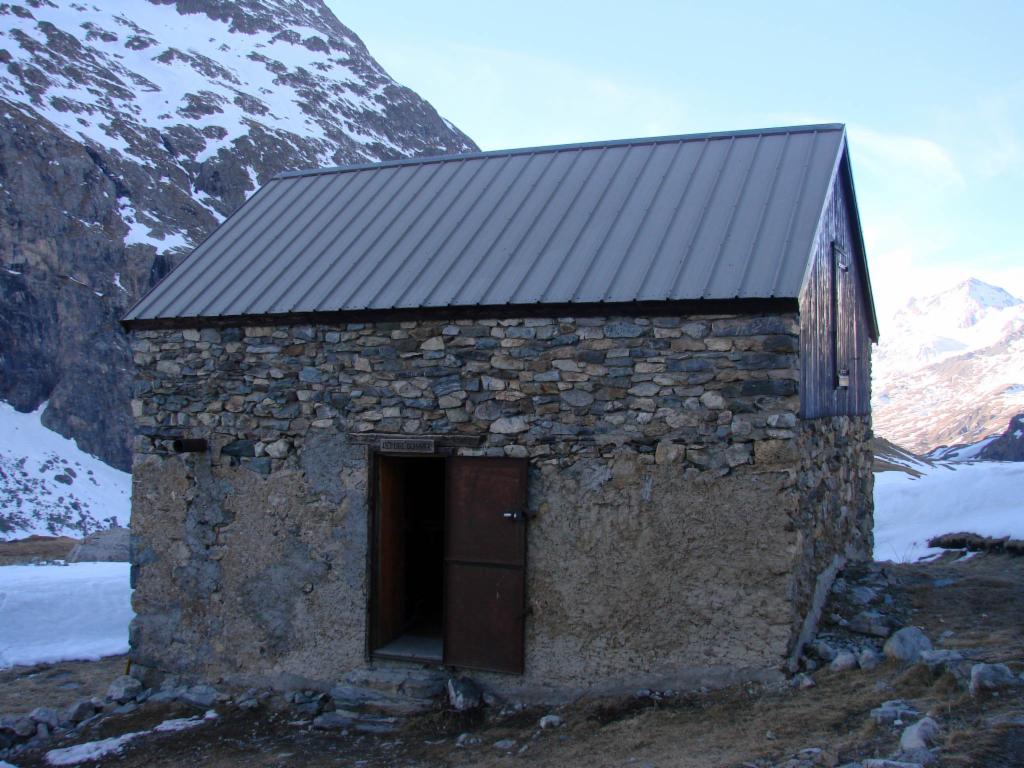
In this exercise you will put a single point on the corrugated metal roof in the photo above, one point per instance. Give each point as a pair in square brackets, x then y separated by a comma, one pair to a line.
[706, 216]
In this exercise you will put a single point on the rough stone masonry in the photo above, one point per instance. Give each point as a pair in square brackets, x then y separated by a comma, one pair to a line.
[686, 522]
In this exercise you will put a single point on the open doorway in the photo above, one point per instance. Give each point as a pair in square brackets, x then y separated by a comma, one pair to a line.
[408, 615]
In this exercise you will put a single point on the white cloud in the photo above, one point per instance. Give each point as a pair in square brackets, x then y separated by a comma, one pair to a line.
[923, 159]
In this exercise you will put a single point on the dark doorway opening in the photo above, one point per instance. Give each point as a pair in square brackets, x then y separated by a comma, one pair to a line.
[408, 613]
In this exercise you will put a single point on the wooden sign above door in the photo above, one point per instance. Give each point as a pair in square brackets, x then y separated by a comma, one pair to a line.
[406, 445]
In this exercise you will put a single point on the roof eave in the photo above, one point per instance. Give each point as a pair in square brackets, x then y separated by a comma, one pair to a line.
[664, 308]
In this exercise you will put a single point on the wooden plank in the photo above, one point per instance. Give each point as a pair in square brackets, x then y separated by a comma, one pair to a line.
[485, 563]
[834, 324]
[439, 440]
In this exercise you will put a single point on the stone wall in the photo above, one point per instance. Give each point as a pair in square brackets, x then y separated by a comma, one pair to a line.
[670, 534]
[835, 518]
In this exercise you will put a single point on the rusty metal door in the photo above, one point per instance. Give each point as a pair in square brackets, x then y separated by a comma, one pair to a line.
[485, 563]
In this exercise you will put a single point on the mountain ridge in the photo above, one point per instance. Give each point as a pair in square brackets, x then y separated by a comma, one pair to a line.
[950, 367]
[127, 137]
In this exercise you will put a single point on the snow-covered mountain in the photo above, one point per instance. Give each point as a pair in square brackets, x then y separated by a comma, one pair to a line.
[51, 488]
[950, 367]
[128, 131]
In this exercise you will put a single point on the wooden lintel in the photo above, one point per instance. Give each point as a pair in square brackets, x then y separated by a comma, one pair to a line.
[441, 440]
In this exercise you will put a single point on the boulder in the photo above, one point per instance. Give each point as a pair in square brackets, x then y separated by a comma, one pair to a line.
[109, 546]
[124, 689]
[907, 644]
[81, 710]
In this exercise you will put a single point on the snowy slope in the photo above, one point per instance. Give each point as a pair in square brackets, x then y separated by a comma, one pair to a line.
[58, 613]
[979, 497]
[50, 487]
[128, 131]
[950, 368]
[158, 80]
[968, 317]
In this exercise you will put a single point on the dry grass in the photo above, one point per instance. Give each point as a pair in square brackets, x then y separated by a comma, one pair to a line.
[35, 548]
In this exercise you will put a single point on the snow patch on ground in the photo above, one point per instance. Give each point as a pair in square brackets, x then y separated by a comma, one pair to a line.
[980, 497]
[49, 486]
[94, 750]
[52, 613]
[91, 750]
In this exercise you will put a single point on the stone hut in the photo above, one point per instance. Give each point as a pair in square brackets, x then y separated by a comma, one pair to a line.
[584, 417]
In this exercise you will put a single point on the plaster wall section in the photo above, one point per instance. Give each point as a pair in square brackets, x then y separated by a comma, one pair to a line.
[667, 460]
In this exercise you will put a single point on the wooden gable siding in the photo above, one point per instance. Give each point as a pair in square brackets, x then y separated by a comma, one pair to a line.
[834, 325]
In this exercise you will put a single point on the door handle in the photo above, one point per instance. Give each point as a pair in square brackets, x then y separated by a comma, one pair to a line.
[512, 514]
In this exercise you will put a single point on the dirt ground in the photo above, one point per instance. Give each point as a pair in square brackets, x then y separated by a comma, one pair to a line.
[56, 685]
[974, 605]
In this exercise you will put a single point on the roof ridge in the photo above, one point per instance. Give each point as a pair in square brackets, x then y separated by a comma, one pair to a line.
[545, 149]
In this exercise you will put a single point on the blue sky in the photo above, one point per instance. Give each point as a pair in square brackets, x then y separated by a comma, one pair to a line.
[932, 93]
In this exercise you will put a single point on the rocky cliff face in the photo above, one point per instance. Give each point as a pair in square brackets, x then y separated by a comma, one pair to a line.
[1009, 446]
[126, 136]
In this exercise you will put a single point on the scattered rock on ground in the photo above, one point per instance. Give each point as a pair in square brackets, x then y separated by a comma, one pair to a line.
[920, 735]
[907, 644]
[822, 650]
[334, 720]
[844, 660]
[938, 659]
[917, 757]
[550, 721]
[802, 680]
[992, 677]
[871, 623]
[868, 659]
[464, 694]
[45, 715]
[890, 712]
[202, 696]
[81, 710]
[124, 689]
